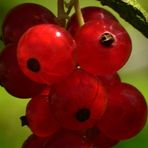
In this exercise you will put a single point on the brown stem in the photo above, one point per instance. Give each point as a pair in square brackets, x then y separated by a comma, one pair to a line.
[61, 13]
[69, 7]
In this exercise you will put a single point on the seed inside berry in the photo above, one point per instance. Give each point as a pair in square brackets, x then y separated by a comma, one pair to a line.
[107, 39]
[83, 114]
[33, 65]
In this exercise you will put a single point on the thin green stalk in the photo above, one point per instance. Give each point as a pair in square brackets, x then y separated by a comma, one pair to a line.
[78, 12]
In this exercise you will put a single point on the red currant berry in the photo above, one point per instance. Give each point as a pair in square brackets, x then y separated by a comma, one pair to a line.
[34, 141]
[126, 112]
[22, 17]
[95, 137]
[39, 116]
[46, 53]
[89, 13]
[110, 81]
[12, 78]
[103, 47]
[67, 139]
[79, 101]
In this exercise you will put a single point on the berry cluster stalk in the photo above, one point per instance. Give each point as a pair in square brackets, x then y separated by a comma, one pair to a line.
[61, 13]
[78, 12]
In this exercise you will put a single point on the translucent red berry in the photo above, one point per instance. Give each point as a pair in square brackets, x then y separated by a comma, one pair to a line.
[103, 47]
[110, 81]
[39, 116]
[34, 141]
[13, 79]
[67, 139]
[46, 53]
[89, 13]
[22, 17]
[97, 139]
[79, 101]
[126, 112]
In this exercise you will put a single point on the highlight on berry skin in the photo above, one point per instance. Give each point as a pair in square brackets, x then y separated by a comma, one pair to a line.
[49, 58]
[108, 49]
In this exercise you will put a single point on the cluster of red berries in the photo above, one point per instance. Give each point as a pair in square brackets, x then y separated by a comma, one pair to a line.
[70, 74]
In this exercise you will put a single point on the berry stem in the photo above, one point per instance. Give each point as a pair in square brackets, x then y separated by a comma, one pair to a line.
[78, 12]
[61, 13]
[69, 6]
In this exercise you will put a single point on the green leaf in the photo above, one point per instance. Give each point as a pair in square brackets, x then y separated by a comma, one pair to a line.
[130, 11]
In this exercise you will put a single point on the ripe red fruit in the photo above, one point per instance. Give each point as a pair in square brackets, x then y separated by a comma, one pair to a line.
[34, 141]
[12, 78]
[39, 116]
[21, 18]
[89, 14]
[106, 44]
[97, 139]
[110, 81]
[46, 53]
[126, 112]
[67, 139]
[79, 101]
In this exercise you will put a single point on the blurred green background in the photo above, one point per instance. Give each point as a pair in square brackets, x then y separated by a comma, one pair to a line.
[134, 72]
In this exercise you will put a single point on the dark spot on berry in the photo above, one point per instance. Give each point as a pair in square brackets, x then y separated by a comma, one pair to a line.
[107, 39]
[33, 65]
[83, 114]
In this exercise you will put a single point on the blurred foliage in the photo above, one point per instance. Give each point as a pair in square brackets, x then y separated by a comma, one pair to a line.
[134, 72]
[131, 11]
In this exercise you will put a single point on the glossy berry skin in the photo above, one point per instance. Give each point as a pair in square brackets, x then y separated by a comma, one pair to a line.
[126, 112]
[13, 79]
[79, 101]
[67, 139]
[110, 81]
[89, 13]
[34, 141]
[46, 53]
[106, 44]
[39, 116]
[95, 138]
[22, 17]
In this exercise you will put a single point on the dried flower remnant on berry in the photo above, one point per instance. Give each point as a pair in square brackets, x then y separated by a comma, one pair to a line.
[83, 114]
[33, 65]
[107, 39]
